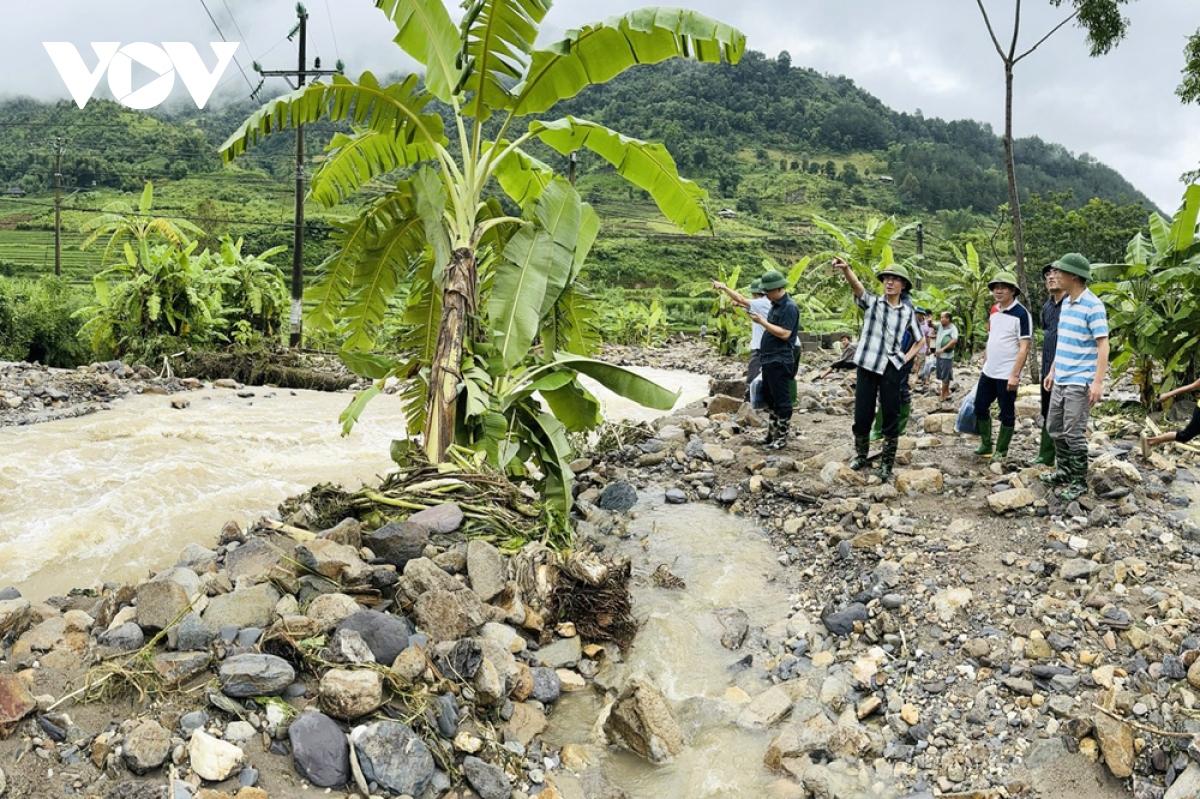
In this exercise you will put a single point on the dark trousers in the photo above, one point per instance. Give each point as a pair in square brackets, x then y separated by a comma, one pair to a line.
[1045, 404]
[777, 395]
[905, 382]
[884, 389]
[1193, 428]
[994, 389]
[753, 368]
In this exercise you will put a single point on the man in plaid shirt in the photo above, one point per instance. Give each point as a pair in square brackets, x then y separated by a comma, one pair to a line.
[880, 359]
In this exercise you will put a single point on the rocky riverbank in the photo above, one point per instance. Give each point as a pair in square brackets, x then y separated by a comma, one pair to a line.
[956, 633]
[959, 632]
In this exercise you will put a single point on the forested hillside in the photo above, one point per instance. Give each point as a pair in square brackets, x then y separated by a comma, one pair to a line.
[704, 113]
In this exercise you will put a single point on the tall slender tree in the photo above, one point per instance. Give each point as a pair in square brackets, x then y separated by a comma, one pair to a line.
[1105, 28]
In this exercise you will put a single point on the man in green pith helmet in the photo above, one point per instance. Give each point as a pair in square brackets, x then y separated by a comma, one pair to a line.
[1050, 311]
[882, 360]
[1010, 330]
[1076, 380]
[781, 328]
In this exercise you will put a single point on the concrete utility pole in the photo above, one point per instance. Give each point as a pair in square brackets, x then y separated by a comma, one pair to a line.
[59, 149]
[301, 73]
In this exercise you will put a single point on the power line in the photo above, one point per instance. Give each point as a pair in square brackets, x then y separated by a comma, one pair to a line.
[336, 52]
[222, 35]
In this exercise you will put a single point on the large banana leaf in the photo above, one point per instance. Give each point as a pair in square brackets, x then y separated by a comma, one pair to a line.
[353, 160]
[430, 195]
[499, 37]
[426, 32]
[329, 293]
[600, 52]
[572, 326]
[397, 109]
[422, 314]
[377, 274]
[574, 406]
[621, 381]
[647, 165]
[521, 176]
[539, 262]
[1183, 230]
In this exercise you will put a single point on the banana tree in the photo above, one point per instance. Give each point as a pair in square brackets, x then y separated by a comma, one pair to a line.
[438, 222]
[866, 252]
[1153, 310]
[965, 281]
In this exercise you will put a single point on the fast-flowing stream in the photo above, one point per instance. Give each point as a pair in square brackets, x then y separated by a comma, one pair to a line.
[117, 494]
[726, 563]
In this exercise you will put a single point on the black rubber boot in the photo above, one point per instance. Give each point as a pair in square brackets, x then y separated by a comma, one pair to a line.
[887, 459]
[862, 445]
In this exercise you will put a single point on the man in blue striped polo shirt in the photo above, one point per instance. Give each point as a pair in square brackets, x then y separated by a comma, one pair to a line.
[1076, 380]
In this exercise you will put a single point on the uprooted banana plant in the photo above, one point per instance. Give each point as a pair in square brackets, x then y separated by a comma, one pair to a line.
[492, 301]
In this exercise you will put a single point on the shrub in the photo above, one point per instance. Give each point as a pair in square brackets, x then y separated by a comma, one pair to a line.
[37, 322]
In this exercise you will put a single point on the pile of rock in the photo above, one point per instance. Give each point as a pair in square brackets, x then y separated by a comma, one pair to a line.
[30, 393]
[396, 661]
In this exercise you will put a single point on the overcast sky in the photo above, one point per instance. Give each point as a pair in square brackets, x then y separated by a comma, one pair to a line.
[932, 55]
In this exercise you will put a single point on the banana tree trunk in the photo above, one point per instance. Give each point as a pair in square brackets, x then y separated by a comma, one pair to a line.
[458, 308]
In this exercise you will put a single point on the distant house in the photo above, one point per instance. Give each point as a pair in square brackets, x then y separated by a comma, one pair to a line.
[15, 191]
[886, 179]
[727, 213]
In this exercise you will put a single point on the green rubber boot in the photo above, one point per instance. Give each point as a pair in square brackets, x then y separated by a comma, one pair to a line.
[887, 459]
[1045, 456]
[985, 438]
[1003, 440]
[1077, 484]
[877, 430]
[1062, 473]
[862, 445]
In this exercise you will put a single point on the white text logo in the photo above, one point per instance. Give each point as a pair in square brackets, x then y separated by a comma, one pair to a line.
[165, 61]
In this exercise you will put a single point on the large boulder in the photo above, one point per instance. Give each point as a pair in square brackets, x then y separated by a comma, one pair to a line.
[392, 755]
[320, 750]
[255, 675]
[245, 607]
[486, 568]
[386, 634]
[164, 599]
[350, 694]
[641, 722]
[398, 542]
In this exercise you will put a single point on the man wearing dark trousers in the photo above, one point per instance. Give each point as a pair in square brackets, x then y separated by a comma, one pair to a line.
[881, 360]
[1010, 330]
[1050, 311]
[777, 353]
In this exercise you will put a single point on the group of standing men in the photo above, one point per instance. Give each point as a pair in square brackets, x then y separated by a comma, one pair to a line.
[1074, 363]
[895, 333]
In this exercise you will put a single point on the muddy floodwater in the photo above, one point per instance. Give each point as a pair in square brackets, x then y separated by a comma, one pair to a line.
[726, 562]
[117, 494]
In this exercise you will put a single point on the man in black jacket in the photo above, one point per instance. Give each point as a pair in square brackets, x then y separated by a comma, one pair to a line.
[777, 354]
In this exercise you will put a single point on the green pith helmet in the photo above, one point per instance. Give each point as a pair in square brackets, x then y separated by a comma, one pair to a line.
[772, 280]
[1075, 264]
[921, 309]
[1008, 279]
[898, 271]
[756, 286]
